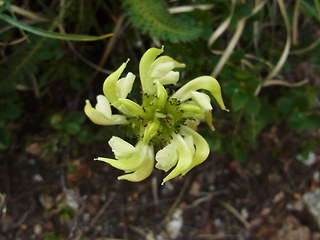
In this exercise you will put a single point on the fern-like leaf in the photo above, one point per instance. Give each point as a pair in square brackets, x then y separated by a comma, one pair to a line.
[152, 17]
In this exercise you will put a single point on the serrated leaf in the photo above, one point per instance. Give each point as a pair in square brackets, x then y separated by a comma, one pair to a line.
[152, 17]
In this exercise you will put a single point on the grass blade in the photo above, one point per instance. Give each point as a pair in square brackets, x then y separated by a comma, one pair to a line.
[49, 34]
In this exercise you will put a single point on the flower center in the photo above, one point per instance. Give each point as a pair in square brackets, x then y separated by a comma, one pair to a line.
[166, 114]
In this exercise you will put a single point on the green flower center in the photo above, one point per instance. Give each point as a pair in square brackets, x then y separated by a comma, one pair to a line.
[166, 117]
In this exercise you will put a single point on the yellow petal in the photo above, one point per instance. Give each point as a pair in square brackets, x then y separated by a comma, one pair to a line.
[99, 118]
[124, 85]
[121, 148]
[129, 107]
[161, 94]
[144, 67]
[185, 158]
[150, 131]
[103, 106]
[202, 99]
[202, 149]
[204, 82]
[144, 171]
[110, 84]
[167, 157]
[131, 163]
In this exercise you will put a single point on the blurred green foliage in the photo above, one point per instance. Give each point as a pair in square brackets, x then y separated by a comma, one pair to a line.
[45, 81]
[53, 236]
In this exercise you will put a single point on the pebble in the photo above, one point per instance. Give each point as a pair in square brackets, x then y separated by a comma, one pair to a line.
[311, 200]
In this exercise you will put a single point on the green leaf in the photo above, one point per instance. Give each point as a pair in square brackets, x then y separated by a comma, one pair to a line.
[253, 105]
[77, 117]
[5, 138]
[311, 10]
[85, 136]
[311, 122]
[152, 17]
[10, 111]
[72, 127]
[241, 74]
[56, 121]
[48, 34]
[53, 236]
[65, 140]
[239, 100]
[243, 10]
[231, 88]
[5, 5]
[287, 104]
[240, 154]
[267, 115]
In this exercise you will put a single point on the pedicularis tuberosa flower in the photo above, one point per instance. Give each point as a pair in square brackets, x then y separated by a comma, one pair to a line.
[162, 123]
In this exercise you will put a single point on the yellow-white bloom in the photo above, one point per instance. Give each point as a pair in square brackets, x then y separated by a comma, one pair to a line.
[160, 69]
[163, 122]
[137, 161]
[205, 82]
[175, 153]
[101, 114]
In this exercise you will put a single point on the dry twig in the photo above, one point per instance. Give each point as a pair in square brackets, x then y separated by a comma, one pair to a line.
[236, 214]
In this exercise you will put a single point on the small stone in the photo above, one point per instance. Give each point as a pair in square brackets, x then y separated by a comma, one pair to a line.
[217, 222]
[37, 229]
[244, 213]
[311, 159]
[37, 177]
[175, 224]
[316, 177]
[311, 200]
[46, 201]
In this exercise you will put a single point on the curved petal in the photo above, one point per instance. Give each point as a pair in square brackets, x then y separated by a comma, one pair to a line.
[103, 106]
[131, 163]
[171, 78]
[185, 158]
[110, 84]
[162, 67]
[208, 118]
[190, 143]
[144, 171]
[159, 70]
[144, 67]
[121, 148]
[190, 110]
[167, 157]
[202, 99]
[124, 85]
[161, 94]
[165, 59]
[99, 118]
[129, 107]
[204, 82]
[202, 149]
[150, 131]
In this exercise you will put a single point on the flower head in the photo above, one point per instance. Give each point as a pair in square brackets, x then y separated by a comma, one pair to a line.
[162, 123]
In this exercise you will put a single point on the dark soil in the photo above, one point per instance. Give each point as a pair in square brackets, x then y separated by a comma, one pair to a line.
[221, 199]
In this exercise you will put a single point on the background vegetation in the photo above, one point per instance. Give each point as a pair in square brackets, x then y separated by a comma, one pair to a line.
[55, 54]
